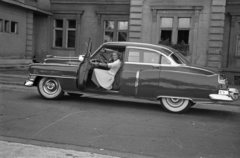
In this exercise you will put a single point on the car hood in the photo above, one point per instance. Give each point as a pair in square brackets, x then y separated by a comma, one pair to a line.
[62, 60]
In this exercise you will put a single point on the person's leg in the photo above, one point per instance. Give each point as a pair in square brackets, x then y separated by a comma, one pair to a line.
[94, 78]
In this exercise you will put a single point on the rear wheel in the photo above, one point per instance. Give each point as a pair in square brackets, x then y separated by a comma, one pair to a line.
[50, 88]
[176, 105]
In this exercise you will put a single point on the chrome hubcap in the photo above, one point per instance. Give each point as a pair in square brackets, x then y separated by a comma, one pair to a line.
[50, 86]
[175, 102]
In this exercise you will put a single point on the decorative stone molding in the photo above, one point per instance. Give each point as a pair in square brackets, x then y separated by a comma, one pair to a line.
[135, 24]
[67, 11]
[155, 8]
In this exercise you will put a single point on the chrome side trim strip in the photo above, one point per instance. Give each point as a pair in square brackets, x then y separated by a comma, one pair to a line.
[163, 96]
[54, 64]
[149, 64]
[189, 73]
[199, 68]
[54, 76]
[137, 82]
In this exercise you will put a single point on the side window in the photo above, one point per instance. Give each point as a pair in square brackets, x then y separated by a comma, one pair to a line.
[151, 57]
[134, 55]
[164, 60]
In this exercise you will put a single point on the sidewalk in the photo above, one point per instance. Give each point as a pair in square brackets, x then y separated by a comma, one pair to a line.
[14, 76]
[17, 150]
[19, 76]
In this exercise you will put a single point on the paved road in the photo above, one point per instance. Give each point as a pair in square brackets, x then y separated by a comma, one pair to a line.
[119, 128]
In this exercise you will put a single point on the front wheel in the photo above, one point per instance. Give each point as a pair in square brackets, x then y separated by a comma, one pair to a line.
[50, 88]
[176, 105]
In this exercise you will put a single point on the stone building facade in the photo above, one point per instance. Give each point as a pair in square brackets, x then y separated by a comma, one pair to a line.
[209, 28]
[231, 42]
[17, 35]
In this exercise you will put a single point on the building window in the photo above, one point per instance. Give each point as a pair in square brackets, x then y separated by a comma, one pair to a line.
[166, 29]
[115, 30]
[183, 30]
[122, 30]
[169, 24]
[238, 46]
[1, 25]
[58, 33]
[108, 31]
[71, 33]
[64, 33]
[238, 40]
[6, 26]
[14, 27]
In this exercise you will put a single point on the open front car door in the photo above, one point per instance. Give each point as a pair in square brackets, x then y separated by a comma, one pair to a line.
[84, 67]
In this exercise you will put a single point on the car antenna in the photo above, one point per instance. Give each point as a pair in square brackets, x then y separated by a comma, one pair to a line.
[70, 59]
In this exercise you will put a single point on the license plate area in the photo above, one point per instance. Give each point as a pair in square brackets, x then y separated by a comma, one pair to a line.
[223, 92]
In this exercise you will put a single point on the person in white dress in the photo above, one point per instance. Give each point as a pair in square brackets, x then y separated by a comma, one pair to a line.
[105, 78]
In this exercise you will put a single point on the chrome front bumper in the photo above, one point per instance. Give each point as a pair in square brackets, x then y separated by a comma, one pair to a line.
[231, 96]
[28, 83]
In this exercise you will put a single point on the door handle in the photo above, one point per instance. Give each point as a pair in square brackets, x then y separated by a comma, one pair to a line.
[156, 66]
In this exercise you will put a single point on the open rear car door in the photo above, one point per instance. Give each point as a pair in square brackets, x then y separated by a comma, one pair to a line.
[84, 67]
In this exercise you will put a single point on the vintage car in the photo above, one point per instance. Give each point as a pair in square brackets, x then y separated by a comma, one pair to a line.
[151, 72]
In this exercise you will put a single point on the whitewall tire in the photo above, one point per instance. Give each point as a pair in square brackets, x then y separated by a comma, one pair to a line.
[175, 105]
[50, 88]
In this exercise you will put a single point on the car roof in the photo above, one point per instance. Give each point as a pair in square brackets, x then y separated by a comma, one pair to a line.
[162, 48]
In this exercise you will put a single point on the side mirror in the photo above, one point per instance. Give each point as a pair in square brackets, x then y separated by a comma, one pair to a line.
[81, 58]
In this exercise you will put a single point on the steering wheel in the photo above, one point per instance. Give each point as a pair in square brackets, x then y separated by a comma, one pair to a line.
[105, 59]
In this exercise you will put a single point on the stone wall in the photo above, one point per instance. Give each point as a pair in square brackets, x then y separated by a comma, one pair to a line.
[216, 34]
[13, 45]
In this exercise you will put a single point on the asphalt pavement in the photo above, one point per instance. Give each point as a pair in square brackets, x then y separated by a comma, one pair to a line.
[7, 149]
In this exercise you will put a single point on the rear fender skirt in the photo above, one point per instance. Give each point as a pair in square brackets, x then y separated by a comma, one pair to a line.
[173, 97]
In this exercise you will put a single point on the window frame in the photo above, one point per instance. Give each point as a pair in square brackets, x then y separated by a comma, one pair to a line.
[175, 27]
[54, 33]
[1, 25]
[15, 27]
[184, 29]
[166, 28]
[237, 37]
[7, 26]
[116, 19]
[192, 11]
[67, 33]
[65, 19]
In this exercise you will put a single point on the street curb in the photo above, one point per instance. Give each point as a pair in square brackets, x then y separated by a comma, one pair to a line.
[12, 83]
[15, 76]
[19, 67]
[71, 147]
